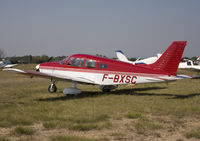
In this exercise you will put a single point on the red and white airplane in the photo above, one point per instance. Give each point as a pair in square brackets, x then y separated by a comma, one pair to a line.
[109, 73]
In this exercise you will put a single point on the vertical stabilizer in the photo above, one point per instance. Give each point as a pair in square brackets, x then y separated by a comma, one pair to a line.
[121, 56]
[171, 58]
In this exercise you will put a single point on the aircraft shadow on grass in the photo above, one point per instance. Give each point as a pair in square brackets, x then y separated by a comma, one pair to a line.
[134, 92]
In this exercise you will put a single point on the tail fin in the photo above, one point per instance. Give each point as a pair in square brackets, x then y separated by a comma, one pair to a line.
[121, 56]
[171, 58]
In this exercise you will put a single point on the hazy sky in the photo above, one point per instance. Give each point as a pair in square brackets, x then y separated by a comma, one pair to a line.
[140, 28]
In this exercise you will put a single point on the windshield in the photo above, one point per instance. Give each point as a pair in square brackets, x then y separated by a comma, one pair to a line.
[62, 62]
[76, 62]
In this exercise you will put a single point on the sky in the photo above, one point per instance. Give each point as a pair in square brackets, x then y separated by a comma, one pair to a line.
[140, 28]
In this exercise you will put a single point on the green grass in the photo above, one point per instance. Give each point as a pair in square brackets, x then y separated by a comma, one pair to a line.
[169, 107]
[50, 124]
[133, 115]
[84, 127]
[93, 119]
[23, 131]
[70, 138]
[2, 138]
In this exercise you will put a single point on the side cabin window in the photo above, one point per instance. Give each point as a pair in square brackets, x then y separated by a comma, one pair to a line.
[103, 66]
[75, 62]
[195, 63]
[90, 63]
[189, 63]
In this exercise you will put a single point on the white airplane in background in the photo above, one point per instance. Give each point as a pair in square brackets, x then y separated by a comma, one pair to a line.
[186, 64]
[189, 64]
[6, 64]
[150, 60]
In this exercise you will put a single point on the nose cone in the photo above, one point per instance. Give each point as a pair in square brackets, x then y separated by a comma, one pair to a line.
[37, 67]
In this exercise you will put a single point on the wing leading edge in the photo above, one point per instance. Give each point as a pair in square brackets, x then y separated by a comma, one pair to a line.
[48, 75]
[38, 74]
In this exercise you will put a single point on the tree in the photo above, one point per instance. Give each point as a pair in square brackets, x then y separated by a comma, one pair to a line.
[194, 58]
[2, 54]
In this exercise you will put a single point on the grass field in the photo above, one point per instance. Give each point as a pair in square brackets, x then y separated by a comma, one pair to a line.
[159, 111]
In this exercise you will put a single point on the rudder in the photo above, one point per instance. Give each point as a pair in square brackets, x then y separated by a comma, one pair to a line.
[171, 58]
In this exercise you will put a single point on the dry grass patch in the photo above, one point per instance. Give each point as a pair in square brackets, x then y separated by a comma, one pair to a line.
[145, 127]
[195, 133]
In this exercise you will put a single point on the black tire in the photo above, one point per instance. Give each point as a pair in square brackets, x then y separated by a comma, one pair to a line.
[106, 90]
[52, 89]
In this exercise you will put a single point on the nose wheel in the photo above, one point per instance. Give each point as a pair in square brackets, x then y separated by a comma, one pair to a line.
[52, 88]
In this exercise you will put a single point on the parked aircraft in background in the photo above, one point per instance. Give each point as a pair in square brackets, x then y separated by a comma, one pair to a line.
[109, 73]
[6, 64]
[186, 63]
[198, 58]
[123, 58]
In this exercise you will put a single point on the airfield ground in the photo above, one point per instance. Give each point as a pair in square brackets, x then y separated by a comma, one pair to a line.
[158, 111]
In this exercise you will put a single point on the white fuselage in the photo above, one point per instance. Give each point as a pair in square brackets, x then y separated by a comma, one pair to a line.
[188, 64]
[106, 77]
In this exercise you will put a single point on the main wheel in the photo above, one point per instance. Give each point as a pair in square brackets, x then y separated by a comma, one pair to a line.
[106, 90]
[52, 88]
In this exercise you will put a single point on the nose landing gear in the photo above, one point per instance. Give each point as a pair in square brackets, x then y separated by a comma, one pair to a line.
[52, 88]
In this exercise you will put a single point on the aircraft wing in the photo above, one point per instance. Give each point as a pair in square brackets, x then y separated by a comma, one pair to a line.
[197, 76]
[32, 73]
[10, 65]
[196, 67]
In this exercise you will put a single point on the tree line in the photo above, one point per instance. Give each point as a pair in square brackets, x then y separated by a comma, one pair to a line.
[33, 59]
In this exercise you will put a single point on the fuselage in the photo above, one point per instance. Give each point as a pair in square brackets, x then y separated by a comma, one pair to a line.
[103, 71]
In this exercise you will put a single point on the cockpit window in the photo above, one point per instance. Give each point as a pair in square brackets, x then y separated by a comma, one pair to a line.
[76, 62]
[62, 62]
[90, 63]
[103, 66]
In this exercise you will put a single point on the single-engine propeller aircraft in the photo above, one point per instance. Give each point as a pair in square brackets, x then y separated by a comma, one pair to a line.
[108, 73]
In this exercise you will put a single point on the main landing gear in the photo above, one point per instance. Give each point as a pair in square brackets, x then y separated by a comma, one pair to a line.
[72, 90]
[107, 88]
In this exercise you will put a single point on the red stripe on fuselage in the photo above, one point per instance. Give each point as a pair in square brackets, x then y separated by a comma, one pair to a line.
[101, 71]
